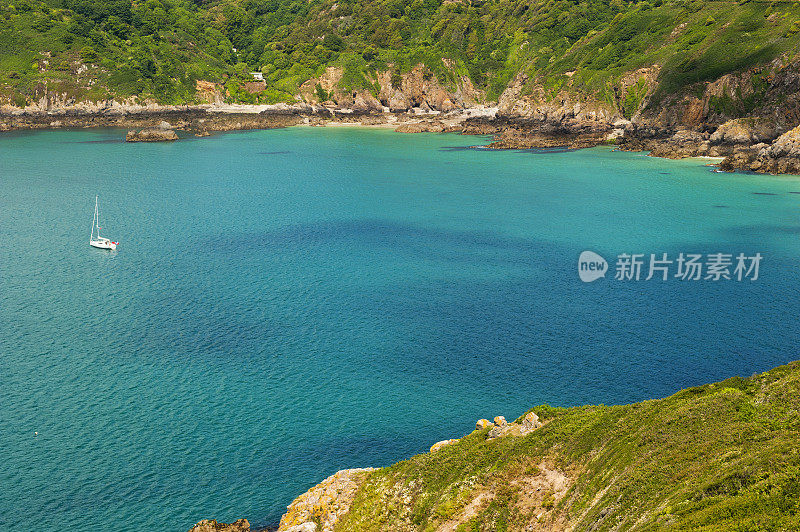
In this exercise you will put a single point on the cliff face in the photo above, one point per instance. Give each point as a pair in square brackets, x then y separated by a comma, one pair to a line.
[418, 90]
[769, 92]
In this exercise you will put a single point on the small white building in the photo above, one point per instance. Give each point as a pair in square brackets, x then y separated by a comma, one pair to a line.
[257, 76]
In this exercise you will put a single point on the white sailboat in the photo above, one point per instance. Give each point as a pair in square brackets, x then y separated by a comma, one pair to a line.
[99, 241]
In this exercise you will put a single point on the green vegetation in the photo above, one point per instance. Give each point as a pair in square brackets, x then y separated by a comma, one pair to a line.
[633, 97]
[722, 456]
[159, 48]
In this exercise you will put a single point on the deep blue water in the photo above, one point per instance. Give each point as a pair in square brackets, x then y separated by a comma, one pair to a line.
[287, 303]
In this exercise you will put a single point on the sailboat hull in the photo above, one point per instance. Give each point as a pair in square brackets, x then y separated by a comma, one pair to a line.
[103, 245]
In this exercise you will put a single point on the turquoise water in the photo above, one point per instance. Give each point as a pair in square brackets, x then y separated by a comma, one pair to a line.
[287, 303]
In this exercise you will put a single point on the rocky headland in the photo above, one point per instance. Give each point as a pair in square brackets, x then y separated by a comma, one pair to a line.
[322, 506]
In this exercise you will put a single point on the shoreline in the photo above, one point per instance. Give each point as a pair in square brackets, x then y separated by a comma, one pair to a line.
[734, 145]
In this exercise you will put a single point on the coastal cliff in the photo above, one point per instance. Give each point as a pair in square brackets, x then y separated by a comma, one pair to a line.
[721, 456]
[524, 116]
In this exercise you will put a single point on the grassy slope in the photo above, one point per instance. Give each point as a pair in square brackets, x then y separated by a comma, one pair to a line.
[122, 60]
[722, 456]
[158, 48]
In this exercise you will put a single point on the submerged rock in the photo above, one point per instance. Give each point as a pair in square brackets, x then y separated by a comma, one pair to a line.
[151, 135]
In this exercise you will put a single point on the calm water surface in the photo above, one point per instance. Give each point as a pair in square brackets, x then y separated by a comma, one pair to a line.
[288, 303]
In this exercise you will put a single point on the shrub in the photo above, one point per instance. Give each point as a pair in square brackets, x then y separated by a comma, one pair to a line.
[88, 55]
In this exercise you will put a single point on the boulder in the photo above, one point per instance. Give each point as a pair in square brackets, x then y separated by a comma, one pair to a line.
[483, 423]
[151, 135]
[509, 429]
[742, 158]
[621, 123]
[787, 145]
[398, 102]
[530, 423]
[364, 102]
[502, 428]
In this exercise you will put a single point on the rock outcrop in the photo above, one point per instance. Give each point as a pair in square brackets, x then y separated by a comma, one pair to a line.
[444, 443]
[622, 477]
[418, 90]
[318, 509]
[781, 157]
[529, 423]
[196, 119]
[211, 525]
[483, 424]
[745, 131]
[209, 92]
[425, 126]
[151, 135]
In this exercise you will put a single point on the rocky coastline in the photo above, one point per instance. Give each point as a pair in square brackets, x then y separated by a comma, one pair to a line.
[755, 145]
[749, 118]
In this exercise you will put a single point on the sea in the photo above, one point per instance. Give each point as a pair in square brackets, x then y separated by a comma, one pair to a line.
[286, 303]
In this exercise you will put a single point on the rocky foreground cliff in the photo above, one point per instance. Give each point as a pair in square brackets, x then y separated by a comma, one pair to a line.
[721, 456]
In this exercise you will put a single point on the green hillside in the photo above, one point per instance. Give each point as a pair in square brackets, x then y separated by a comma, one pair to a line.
[158, 48]
[722, 456]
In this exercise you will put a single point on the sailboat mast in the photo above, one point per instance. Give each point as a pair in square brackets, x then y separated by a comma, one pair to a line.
[94, 222]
